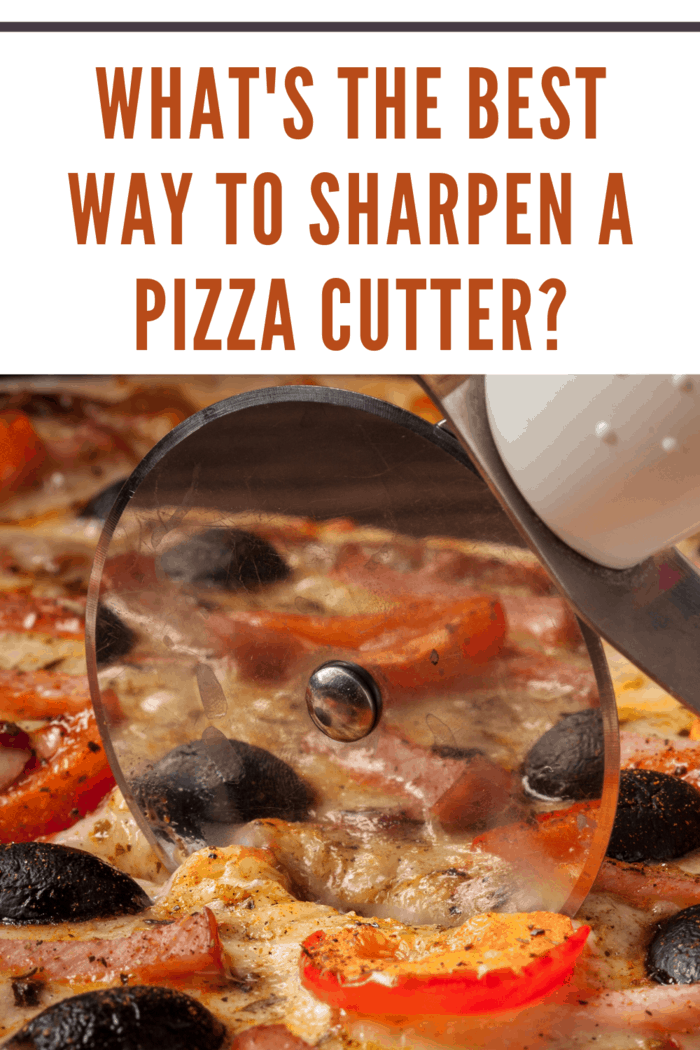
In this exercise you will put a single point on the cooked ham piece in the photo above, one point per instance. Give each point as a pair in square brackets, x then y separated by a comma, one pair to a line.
[172, 949]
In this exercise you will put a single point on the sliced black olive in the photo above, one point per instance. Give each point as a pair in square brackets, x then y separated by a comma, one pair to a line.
[567, 761]
[674, 953]
[48, 882]
[44, 405]
[102, 502]
[198, 784]
[230, 558]
[658, 817]
[136, 1018]
[113, 639]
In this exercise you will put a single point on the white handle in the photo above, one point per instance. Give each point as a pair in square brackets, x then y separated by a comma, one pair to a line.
[610, 463]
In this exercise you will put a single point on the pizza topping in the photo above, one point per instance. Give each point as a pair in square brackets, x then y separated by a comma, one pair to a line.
[42, 404]
[43, 882]
[493, 962]
[15, 752]
[142, 1016]
[563, 836]
[463, 637]
[638, 1012]
[172, 949]
[20, 612]
[409, 648]
[53, 794]
[48, 694]
[113, 639]
[11, 737]
[545, 620]
[358, 862]
[407, 568]
[268, 1037]
[567, 762]
[262, 654]
[645, 884]
[219, 781]
[680, 758]
[228, 558]
[103, 501]
[463, 788]
[21, 451]
[12, 763]
[26, 990]
[674, 953]
[658, 817]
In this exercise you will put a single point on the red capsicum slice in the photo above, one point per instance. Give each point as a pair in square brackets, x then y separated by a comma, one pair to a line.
[563, 835]
[492, 963]
[21, 451]
[52, 795]
[412, 647]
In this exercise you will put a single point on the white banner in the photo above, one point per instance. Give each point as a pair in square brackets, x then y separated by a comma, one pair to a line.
[368, 201]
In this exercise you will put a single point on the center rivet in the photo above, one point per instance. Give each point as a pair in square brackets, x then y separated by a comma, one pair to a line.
[343, 700]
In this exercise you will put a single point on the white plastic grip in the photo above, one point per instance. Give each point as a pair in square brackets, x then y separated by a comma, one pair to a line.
[610, 463]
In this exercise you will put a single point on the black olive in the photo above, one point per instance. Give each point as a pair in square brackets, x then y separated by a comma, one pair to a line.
[136, 1018]
[229, 783]
[230, 558]
[48, 882]
[567, 761]
[103, 501]
[658, 817]
[674, 953]
[113, 639]
[44, 405]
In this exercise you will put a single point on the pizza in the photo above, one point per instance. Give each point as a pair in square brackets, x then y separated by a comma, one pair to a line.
[322, 895]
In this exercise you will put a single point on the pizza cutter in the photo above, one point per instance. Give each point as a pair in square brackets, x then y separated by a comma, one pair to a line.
[601, 475]
[226, 696]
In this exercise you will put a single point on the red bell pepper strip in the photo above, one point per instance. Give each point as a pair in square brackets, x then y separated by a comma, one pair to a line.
[21, 612]
[48, 694]
[463, 637]
[563, 835]
[411, 646]
[53, 795]
[21, 451]
[493, 963]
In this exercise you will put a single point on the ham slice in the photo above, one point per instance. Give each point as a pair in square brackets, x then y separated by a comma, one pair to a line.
[650, 1007]
[643, 884]
[667, 755]
[177, 949]
[461, 789]
[268, 1037]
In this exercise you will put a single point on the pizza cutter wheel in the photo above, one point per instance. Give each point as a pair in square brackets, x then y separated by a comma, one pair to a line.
[375, 516]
